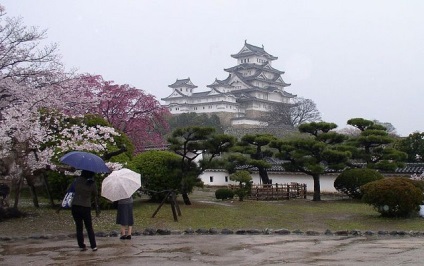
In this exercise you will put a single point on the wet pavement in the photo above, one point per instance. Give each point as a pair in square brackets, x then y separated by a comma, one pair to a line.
[219, 250]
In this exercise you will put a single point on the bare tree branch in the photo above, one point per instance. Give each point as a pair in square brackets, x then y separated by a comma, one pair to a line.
[301, 111]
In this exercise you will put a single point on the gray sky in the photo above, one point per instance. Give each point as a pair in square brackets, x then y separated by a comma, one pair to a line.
[359, 58]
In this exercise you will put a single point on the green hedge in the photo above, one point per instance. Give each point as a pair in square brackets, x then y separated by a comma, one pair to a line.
[224, 193]
[350, 181]
[393, 197]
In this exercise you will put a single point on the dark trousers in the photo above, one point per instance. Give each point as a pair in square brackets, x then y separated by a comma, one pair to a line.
[82, 215]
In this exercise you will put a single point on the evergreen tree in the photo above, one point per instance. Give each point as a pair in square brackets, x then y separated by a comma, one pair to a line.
[316, 155]
[257, 148]
[374, 146]
[413, 146]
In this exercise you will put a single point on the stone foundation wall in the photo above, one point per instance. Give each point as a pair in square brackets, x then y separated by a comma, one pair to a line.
[278, 132]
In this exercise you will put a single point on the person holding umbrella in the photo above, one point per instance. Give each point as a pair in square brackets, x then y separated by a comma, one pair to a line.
[125, 217]
[119, 186]
[85, 188]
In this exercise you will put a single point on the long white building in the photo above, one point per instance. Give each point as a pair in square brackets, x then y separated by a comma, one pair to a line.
[253, 87]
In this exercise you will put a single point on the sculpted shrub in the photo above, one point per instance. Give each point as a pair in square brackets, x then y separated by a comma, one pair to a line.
[393, 197]
[245, 183]
[224, 193]
[160, 171]
[350, 181]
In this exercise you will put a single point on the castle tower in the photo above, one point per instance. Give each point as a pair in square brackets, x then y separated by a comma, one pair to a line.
[253, 87]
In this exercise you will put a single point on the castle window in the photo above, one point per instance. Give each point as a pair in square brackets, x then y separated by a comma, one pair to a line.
[211, 179]
[226, 178]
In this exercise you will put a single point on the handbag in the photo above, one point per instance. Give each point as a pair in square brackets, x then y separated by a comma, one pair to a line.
[69, 196]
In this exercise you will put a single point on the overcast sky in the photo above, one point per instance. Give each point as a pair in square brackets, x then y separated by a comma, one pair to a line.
[352, 58]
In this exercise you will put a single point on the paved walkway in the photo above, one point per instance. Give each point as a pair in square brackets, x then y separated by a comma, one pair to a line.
[219, 250]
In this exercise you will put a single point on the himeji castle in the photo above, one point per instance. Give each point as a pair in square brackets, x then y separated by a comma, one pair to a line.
[253, 87]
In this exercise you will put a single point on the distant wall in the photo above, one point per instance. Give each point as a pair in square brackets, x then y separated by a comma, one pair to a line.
[218, 178]
[278, 132]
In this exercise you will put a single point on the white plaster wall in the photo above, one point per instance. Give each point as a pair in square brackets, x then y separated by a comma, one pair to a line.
[326, 181]
[246, 122]
[218, 178]
[274, 97]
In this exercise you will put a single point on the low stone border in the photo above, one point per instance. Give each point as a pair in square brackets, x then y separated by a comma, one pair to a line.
[212, 231]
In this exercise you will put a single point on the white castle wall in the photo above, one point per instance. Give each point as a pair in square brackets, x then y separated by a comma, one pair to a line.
[221, 178]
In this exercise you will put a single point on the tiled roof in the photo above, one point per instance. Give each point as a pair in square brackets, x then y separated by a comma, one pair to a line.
[253, 50]
[182, 82]
[255, 66]
[271, 81]
[222, 83]
[258, 72]
[409, 169]
[289, 95]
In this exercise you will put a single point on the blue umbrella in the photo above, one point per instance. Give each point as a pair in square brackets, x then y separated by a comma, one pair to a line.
[85, 161]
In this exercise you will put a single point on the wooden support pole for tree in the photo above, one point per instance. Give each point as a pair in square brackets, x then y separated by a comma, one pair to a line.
[174, 212]
[175, 208]
[160, 205]
[174, 197]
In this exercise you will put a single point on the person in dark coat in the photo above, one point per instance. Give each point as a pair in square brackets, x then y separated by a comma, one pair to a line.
[125, 217]
[85, 188]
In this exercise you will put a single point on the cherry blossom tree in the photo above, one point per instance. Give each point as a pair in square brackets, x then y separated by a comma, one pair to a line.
[139, 115]
[36, 95]
[34, 133]
[23, 60]
[42, 107]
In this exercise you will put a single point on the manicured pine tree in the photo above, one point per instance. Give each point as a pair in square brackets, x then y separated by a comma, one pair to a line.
[320, 153]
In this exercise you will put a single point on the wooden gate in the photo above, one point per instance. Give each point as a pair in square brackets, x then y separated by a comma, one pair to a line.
[278, 191]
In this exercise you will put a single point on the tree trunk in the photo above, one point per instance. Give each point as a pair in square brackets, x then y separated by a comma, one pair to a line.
[18, 192]
[184, 192]
[317, 188]
[186, 199]
[263, 174]
[34, 196]
[46, 184]
[31, 184]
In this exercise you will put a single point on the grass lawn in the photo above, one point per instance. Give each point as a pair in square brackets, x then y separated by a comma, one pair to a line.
[207, 212]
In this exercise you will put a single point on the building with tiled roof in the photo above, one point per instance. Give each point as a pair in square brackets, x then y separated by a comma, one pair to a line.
[277, 174]
[252, 89]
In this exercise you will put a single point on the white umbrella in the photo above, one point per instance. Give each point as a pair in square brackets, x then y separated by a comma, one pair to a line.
[120, 184]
